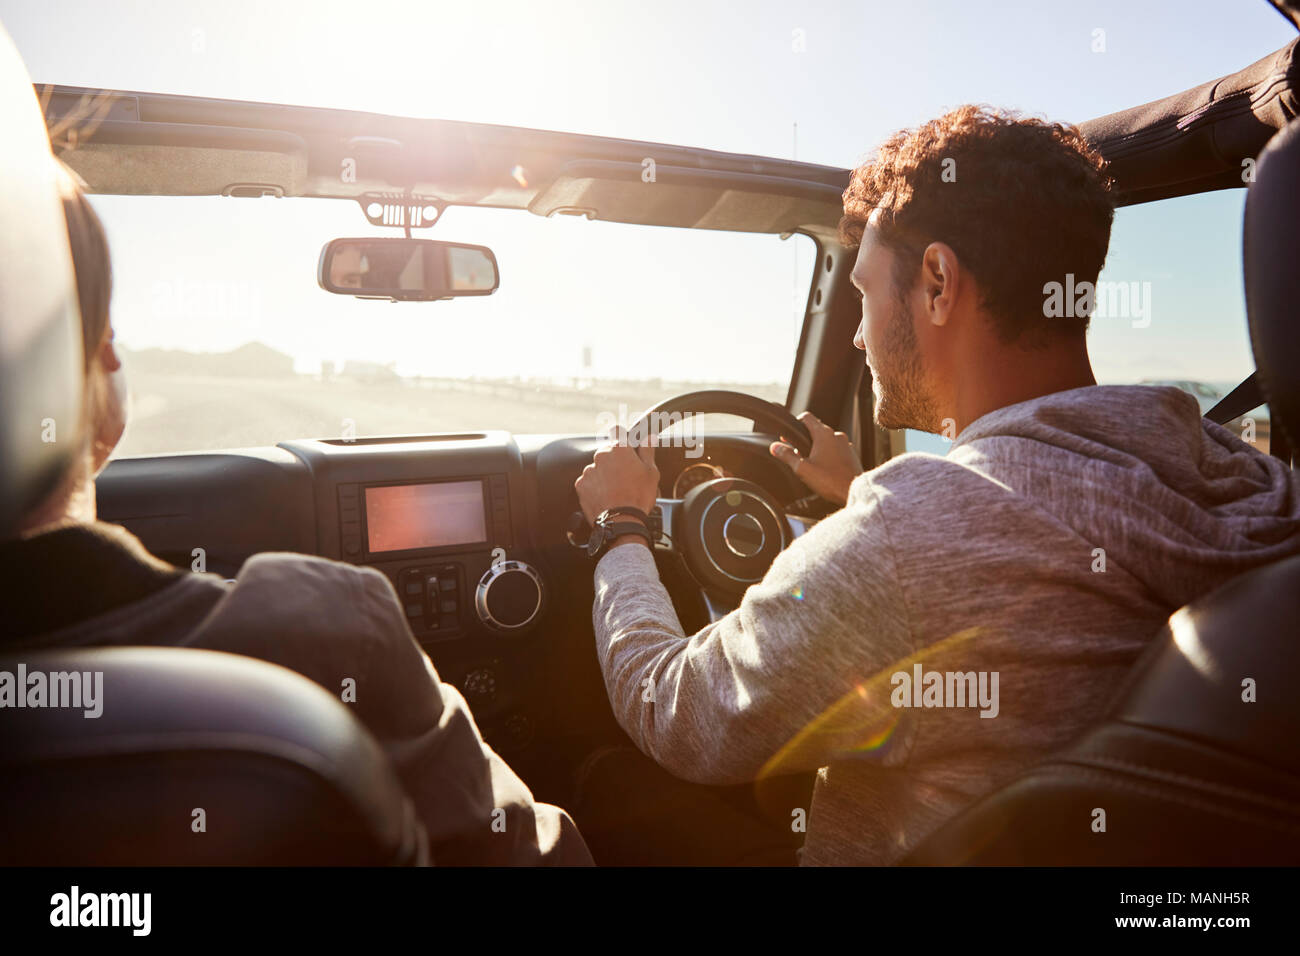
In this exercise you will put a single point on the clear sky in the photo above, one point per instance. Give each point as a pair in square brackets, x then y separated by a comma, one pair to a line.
[724, 75]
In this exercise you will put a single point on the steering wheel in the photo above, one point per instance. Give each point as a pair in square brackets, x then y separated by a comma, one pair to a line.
[727, 531]
[768, 415]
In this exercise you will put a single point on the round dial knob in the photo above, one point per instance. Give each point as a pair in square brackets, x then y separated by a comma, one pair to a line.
[508, 596]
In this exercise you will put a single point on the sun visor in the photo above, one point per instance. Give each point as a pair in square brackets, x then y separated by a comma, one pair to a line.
[1199, 140]
[689, 197]
[40, 325]
[173, 159]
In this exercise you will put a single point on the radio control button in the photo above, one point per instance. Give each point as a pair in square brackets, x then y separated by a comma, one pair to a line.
[509, 596]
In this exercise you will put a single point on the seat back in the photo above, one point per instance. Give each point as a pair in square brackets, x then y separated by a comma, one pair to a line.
[1198, 761]
[1196, 764]
[40, 326]
[179, 756]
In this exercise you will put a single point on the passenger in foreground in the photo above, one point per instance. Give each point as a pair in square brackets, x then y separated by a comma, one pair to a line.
[326, 620]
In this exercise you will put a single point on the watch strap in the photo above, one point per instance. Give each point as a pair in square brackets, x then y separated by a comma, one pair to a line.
[654, 521]
[607, 531]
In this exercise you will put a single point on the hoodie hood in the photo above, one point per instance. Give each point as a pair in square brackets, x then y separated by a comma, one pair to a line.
[1175, 500]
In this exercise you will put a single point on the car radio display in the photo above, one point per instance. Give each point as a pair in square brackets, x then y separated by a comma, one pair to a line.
[406, 517]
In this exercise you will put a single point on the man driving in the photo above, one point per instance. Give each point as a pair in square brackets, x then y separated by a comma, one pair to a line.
[960, 617]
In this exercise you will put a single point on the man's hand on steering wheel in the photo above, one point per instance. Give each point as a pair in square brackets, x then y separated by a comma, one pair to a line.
[619, 475]
[830, 467]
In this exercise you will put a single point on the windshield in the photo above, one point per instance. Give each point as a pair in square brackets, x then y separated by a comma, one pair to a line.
[598, 307]
[229, 341]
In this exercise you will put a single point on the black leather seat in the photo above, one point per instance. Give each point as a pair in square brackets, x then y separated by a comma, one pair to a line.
[274, 769]
[282, 772]
[1187, 771]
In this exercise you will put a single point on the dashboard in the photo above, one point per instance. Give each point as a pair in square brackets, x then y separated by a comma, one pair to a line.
[471, 529]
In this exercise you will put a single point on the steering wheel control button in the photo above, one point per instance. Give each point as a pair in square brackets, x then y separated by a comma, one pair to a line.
[509, 596]
[743, 535]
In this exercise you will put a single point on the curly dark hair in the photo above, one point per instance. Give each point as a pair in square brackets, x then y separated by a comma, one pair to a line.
[1021, 201]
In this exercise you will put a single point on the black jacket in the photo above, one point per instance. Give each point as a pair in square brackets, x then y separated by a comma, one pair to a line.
[97, 585]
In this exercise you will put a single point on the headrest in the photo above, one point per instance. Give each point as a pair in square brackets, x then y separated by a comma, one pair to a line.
[41, 373]
[1271, 253]
[127, 741]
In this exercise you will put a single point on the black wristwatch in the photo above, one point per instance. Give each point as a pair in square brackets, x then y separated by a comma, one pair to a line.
[608, 528]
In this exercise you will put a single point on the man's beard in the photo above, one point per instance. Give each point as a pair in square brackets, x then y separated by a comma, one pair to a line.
[898, 384]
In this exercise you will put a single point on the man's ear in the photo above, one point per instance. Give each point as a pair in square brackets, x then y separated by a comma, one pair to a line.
[939, 280]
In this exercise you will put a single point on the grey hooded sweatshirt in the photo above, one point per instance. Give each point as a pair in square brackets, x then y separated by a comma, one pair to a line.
[959, 619]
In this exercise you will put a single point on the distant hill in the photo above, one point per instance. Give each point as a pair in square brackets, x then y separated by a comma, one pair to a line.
[250, 360]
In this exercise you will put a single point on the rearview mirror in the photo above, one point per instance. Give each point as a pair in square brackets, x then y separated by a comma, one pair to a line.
[406, 270]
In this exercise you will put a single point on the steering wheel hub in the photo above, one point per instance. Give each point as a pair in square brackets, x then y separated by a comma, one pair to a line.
[729, 531]
[743, 535]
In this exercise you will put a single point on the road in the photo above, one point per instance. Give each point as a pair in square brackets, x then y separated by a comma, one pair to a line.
[188, 413]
